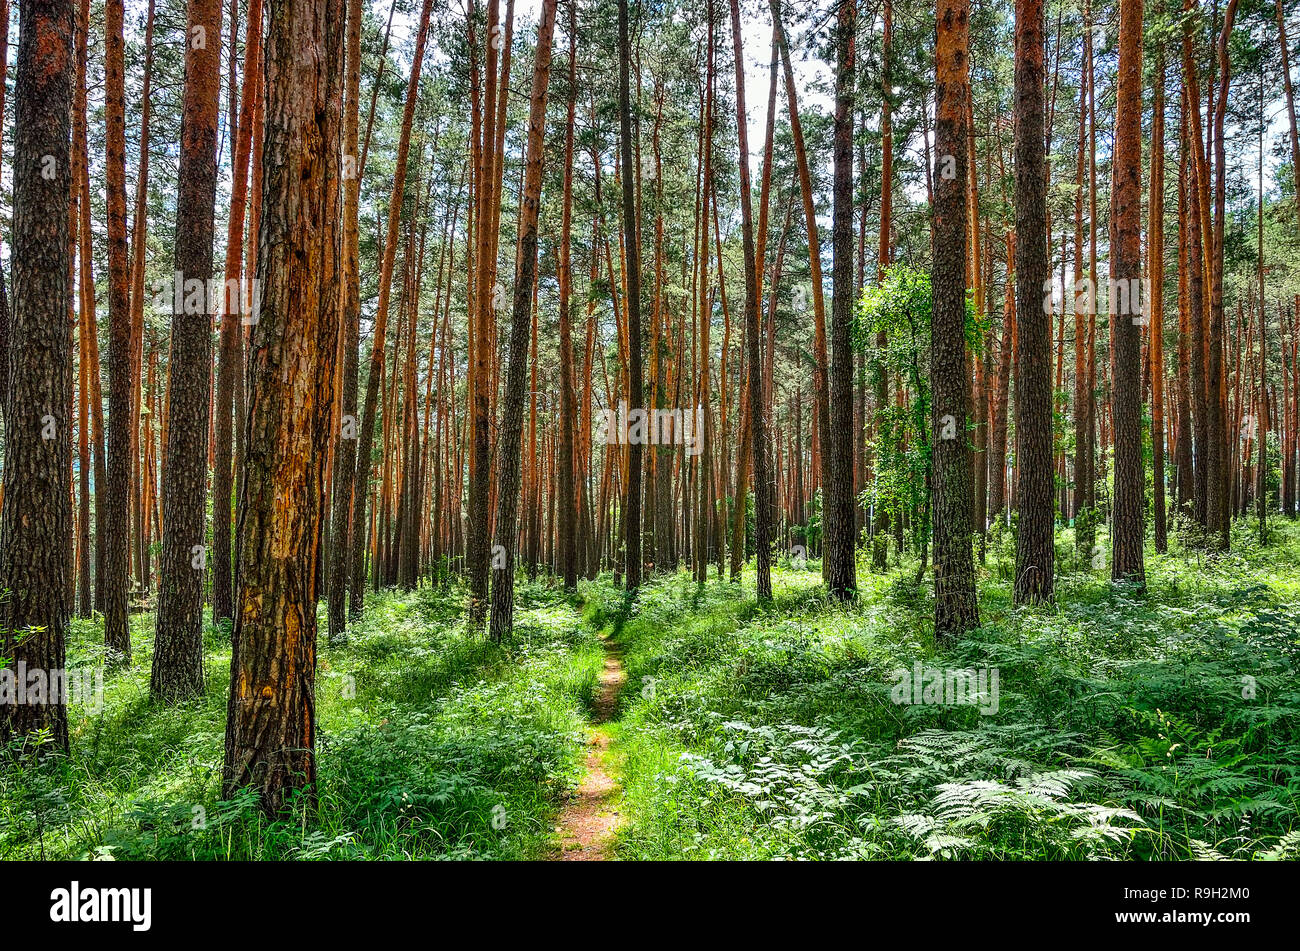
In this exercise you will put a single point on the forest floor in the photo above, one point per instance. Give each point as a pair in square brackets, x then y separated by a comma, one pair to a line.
[691, 722]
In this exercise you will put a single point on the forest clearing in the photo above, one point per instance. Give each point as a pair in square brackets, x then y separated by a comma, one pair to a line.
[598, 430]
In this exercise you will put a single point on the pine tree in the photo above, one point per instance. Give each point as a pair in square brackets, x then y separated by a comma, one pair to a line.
[955, 607]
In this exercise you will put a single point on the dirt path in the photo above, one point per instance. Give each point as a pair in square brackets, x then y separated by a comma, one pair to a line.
[585, 828]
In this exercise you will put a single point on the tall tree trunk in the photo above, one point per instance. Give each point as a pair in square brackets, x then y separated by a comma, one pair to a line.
[1084, 535]
[346, 476]
[271, 723]
[821, 364]
[880, 393]
[114, 529]
[1156, 301]
[4, 297]
[567, 509]
[86, 308]
[231, 362]
[139, 245]
[1218, 504]
[361, 489]
[1198, 236]
[1182, 401]
[178, 642]
[632, 272]
[503, 584]
[34, 520]
[840, 548]
[1035, 551]
[1126, 322]
[955, 607]
[1262, 414]
[757, 416]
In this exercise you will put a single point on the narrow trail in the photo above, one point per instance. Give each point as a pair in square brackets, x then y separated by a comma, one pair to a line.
[586, 826]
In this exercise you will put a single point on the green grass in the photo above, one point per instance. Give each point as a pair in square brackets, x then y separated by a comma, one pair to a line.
[1156, 726]
[432, 744]
[1122, 729]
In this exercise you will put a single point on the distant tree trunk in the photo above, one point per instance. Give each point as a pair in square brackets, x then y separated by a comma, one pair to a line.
[1289, 379]
[703, 311]
[880, 392]
[94, 393]
[840, 547]
[361, 489]
[35, 520]
[178, 642]
[4, 297]
[1218, 507]
[567, 510]
[1084, 535]
[821, 365]
[139, 245]
[1035, 551]
[346, 477]
[1198, 236]
[1126, 323]
[405, 543]
[503, 585]
[1262, 414]
[231, 364]
[271, 723]
[1183, 448]
[114, 529]
[757, 420]
[632, 272]
[485, 298]
[1002, 385]
[1156, 302]
[955, 607]
[86, 309]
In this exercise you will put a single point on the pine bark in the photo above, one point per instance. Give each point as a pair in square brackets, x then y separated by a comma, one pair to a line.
[840, 547]
[1126, 324]
[1035, 551]
[956, 610]
[632, 280]
[231, 361]
[178, 640]
[35, 519]
[501, 622]
[113, 529]
[345, 477]
[271, 722]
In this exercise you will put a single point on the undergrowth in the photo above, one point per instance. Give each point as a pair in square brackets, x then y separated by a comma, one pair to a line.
[1163, 725]
[1151, 725]
[431, 743]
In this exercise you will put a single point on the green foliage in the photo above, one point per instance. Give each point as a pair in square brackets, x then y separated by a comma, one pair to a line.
[892, 327]
[1161, 727]
[899, 308]
[432, 743]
